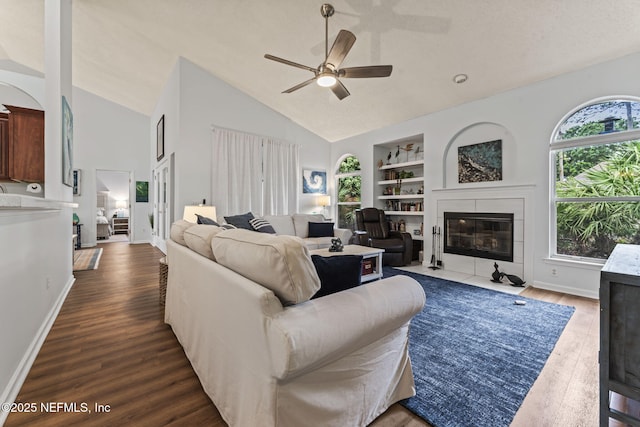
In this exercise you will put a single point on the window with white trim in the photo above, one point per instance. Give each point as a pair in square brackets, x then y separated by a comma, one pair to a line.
[349, 185]
[595, 175]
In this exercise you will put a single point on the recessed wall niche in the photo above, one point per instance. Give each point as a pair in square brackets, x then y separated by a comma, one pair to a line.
[474, 134]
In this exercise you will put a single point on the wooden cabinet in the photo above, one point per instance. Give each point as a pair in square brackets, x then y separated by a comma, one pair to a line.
[24, 160]
[620, 333]
[120, 225]
[4, 146]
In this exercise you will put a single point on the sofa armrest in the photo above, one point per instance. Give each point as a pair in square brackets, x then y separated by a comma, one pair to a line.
[407, 242]
[361, 238]
[308, 335]
[343, 233]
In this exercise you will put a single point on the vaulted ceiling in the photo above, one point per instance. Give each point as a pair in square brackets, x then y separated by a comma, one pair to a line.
[124, 50]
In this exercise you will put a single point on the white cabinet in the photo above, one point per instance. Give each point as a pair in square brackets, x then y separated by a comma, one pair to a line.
[120, 225]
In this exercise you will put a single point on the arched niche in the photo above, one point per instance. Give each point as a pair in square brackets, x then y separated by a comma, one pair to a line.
[13, 95]
[474, 134]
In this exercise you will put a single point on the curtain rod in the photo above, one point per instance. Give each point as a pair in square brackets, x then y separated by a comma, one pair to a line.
[273, 138]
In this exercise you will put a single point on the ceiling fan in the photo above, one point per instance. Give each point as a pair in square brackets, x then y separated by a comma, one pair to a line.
[328, 73]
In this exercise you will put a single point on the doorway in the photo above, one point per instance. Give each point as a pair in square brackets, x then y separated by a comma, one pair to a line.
[113, 190]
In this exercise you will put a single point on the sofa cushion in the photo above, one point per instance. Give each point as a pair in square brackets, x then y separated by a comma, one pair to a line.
[261, 225]
[320, 229]
[279, 263]
[240, 221]
[301, 223]
[198, 238]
[337, 273]
[177, 231]
[283, 224]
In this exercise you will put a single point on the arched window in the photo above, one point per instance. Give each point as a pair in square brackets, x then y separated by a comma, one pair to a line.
[595, 194]
[349, 185]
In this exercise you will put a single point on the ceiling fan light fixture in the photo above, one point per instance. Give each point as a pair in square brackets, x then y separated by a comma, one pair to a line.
[326, 80]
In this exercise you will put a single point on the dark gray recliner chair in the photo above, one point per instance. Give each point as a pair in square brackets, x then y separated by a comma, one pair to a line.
[372, 229]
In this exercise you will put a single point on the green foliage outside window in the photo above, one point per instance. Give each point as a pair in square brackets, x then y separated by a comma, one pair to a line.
[349, 191]
[593, 228]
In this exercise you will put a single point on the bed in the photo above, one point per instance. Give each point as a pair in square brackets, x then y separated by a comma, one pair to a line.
[103, 230]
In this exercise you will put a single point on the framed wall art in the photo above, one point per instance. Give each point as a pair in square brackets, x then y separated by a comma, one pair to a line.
[160, 139]
[67, 144]
[77, 176]
[480, 162]
[314, 181]
[142, 191]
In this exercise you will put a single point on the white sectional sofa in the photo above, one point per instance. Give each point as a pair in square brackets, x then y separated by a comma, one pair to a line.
[266, 353]
[298, 225]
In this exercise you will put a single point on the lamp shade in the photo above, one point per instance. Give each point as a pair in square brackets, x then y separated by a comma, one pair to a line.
[121, 204]
[190, 212]
[324, 201]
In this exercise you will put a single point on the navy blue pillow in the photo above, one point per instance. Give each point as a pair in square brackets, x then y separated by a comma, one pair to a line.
[206, 220]
[337, 273]
[240, 221]
[321, 229]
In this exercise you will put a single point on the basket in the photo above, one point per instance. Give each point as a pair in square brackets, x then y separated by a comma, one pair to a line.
[164, 272]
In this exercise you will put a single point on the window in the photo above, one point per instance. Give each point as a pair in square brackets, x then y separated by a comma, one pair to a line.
[595, 157]
[349, 184]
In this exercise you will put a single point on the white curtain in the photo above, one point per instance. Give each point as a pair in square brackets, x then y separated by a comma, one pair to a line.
[237, 172]
[254, 173]
[281, 175]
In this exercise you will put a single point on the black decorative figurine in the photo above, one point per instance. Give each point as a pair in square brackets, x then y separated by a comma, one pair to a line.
[336, 245]
[515, 280]
[496, 276]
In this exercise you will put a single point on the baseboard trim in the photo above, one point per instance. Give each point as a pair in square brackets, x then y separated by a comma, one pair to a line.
[17, 379]
[566, 290]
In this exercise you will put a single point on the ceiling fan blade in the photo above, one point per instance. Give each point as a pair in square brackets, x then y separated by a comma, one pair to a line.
[287, 62]
[339, 89]
[341, 46]
[298, 86]
[365, 72]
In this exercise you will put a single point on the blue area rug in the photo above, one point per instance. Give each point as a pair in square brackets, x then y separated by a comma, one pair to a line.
[475, 354]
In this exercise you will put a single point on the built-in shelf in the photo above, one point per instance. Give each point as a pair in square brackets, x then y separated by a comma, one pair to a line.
[410, 213]
[402, 165]
[26, 203]
[402, 196]
[404, 180]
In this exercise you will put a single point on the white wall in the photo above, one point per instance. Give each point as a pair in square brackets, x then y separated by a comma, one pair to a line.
[35, 246]
[108, 136]
[525, 117]
[193, 100]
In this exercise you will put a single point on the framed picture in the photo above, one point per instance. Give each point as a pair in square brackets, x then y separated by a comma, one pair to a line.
[314, 181]
[480, 162]
[160, 139]
[67, 144]
[77, 176]
[142, 191]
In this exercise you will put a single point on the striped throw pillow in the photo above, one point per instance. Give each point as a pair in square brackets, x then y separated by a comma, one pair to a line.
[262, 225]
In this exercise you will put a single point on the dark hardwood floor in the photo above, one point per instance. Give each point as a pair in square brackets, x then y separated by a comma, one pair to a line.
[109, 346]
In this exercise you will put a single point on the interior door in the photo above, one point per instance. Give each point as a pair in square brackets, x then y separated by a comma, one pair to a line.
[163, 178]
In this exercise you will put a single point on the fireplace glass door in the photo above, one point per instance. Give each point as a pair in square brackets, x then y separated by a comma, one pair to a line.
[481, 235]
